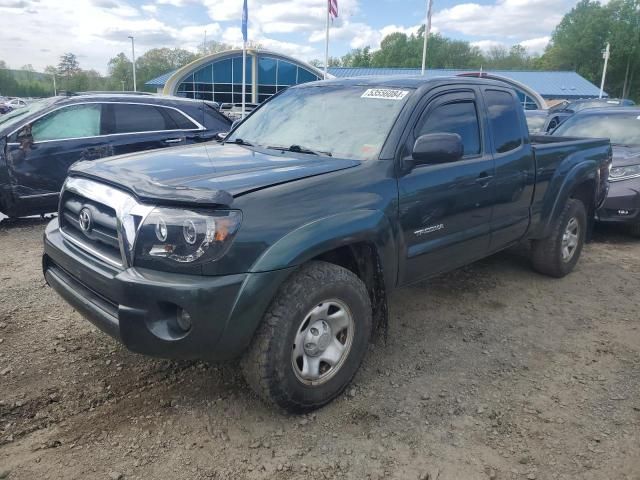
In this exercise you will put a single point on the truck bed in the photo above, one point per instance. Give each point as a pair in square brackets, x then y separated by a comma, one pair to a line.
[555, 159]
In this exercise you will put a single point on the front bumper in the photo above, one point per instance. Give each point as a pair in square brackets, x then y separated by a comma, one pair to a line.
[622, 204]
[139, 306]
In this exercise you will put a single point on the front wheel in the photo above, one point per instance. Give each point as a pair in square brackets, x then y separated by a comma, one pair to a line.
[558, 254]
[312, 339]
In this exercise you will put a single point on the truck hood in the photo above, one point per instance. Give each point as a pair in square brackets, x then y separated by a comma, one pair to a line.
[624, 156]
[209, 174]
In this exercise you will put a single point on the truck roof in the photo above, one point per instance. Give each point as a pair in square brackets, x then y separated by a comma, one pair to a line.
[404, 81]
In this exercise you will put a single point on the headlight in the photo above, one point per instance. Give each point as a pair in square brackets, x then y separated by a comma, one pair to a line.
[186, 236]
[623, 173]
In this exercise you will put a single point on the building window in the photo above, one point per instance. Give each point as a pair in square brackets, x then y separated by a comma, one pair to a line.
[287, 73]
[222, 80]
[267, 71]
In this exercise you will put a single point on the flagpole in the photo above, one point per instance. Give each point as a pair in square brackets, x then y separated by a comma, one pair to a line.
[245, 27]
[244, 75]
[326, 46]
[427, 32]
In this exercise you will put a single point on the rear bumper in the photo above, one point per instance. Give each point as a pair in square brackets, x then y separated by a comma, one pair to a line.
[139, 307]
[622, 204]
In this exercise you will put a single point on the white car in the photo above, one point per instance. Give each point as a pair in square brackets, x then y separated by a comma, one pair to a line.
[16, 103]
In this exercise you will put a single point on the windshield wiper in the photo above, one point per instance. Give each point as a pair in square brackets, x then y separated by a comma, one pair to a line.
[240, 141]
[301, 149]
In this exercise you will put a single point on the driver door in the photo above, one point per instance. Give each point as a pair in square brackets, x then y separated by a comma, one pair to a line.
[445, 208]
[39, 154]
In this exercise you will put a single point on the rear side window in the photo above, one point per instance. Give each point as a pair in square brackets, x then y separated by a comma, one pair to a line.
[177, 120]
[459, 117]
[76, 121]
[129, 118]
[504, 120]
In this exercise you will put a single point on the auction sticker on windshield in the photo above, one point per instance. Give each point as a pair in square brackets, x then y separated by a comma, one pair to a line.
[385, 93]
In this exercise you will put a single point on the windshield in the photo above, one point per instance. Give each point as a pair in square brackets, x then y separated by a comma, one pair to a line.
[13, 117]
[536, 122]
[622, 129]
[347, 122]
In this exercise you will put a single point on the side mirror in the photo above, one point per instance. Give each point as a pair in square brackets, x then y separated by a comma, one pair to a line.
[220, 136]
[438, 148]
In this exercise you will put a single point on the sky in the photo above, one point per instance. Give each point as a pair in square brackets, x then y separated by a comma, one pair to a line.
[37, 32]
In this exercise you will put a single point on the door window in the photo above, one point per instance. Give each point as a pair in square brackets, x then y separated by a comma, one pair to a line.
[75, 121]
[129, 118]
[458, 117]
[504, 120]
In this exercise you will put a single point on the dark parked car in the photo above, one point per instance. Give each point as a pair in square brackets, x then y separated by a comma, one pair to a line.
[38, 143]
[560, 112]
[622, 126]
[281, 245]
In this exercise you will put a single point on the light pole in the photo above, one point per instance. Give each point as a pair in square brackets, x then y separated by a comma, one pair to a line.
[133, 62]
[427, 31]
[606, 54]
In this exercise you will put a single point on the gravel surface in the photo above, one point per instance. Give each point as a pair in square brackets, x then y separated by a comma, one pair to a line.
[490, 372]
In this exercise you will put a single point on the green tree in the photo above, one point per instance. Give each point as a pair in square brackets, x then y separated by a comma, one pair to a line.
[161, 60]
[360, 57]
[515, 58]
[578, 41]
[8, 84]
[333, 62]
[213, 46]
[68, 67]
[400, 50]
[121, 71]
[625, 45]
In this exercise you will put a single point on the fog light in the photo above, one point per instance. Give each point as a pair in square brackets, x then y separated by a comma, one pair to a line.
[623, 213]
[184, 320]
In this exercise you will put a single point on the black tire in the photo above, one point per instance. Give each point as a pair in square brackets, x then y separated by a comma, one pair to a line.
[634, 230]
[268, 365]
[547, 257]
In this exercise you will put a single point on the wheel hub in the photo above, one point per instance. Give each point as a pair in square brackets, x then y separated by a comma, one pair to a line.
[570, 239]
[317, 338]
[322, 342]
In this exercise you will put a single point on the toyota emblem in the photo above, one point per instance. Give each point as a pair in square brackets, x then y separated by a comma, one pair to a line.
[85, 220]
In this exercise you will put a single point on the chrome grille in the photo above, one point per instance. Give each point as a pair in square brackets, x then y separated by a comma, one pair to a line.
[101, 220]
[104, 227]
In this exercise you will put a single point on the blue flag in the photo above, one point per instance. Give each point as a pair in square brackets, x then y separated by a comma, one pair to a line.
[245, 18]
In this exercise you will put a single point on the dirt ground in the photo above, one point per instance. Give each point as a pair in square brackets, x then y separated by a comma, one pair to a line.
[490, 372]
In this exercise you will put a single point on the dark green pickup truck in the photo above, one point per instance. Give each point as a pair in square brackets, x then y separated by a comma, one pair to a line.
[280, 245]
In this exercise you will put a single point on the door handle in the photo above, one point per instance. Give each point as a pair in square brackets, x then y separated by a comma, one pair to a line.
[483, 179]
[173, 140]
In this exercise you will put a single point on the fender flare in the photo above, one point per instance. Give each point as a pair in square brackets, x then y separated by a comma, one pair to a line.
[279, 261]
[580, 173]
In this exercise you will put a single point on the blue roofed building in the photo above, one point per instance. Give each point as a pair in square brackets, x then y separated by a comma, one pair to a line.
[218, 77]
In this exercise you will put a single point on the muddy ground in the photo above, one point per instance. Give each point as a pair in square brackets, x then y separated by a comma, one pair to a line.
[491, 371]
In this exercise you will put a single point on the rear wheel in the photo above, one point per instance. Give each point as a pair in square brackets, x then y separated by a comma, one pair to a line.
[312, 339]
[558, 254]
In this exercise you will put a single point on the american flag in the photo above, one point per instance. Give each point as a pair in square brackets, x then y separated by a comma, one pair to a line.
[333, 8]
